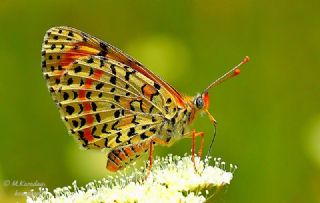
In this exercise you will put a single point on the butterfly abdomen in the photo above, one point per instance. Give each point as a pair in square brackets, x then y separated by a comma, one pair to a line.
[118, 158]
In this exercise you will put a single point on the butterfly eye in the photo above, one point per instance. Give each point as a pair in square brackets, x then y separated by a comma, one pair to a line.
[199, 102]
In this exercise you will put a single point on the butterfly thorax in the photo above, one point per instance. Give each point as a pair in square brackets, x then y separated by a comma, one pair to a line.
[175, 127]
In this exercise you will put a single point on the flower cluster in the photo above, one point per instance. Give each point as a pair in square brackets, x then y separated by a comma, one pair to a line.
[173, 179]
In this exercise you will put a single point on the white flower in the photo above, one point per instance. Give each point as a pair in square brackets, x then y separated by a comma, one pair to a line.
[173, 179]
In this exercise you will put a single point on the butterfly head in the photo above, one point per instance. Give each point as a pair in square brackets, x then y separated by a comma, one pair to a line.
[201, 101]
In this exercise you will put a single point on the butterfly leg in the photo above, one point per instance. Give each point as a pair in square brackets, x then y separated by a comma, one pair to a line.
[201, 134]
[152, 142]
[150, 159]
[194, 135]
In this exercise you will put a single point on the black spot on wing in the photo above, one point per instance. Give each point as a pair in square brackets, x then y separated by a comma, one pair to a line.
[82, 122]
[91, 72]
[75, 123]
[99, 86]
[98, 118]
[151, 108]
[104, 129]
[70, 81]
[94, 106]
[140, 105]
[113, 127]
[153, 130]
[142, 88]
[134, 120]
[101, 63]
[81, 108]
[70, 34]
[113, 89]
[143, 136]
[113, 80]
[81, 136]
[69, 109]
[117, 113]
[57, 81]
[103, 46]
[157, 86]
[77, 69]
[106, 142]
[173, 121]
[53, 46]
[93, 130]
[127, 76]
[117, 98]
[118, 137]
[65, 96]
[81, 82]
[113, 69]
[102, 53]
[131, 132]
[155, 94]
[88, 94]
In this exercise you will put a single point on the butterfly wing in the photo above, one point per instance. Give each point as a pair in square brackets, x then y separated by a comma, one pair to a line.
[106, 98]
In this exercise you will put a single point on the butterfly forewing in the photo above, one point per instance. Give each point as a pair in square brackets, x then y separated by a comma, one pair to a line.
[106, 98]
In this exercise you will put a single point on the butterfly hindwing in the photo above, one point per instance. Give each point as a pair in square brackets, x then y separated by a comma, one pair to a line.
[104, 99]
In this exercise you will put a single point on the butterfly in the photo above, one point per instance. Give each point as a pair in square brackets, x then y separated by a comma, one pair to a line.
[109, 100]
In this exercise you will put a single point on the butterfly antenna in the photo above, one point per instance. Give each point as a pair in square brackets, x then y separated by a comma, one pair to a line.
[231, 73]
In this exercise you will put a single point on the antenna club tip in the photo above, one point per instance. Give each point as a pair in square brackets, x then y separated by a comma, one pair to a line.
[236, 72]
[246, 59]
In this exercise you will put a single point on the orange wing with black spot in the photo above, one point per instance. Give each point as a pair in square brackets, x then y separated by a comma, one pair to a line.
[106, 98]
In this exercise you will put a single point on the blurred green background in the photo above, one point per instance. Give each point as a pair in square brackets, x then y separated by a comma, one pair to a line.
[268, 118]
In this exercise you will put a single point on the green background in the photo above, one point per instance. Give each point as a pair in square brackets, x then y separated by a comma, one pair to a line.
[268, 117]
